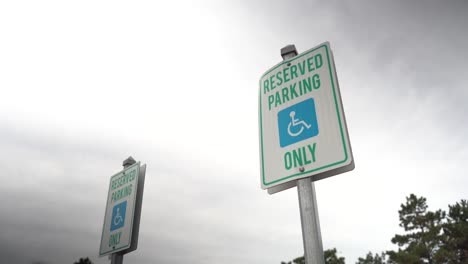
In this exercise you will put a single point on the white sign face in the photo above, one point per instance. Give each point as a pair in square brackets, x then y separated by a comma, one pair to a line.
[301, 120]
[118, 220]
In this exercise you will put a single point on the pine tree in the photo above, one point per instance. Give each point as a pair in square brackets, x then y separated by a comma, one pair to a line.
[330, 256]
[455, 247]
[84, 261]
[429, 238]
[424, 236]
[372, 259]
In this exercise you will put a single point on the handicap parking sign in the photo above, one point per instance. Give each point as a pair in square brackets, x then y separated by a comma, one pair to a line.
[118, 216]
[297, 122]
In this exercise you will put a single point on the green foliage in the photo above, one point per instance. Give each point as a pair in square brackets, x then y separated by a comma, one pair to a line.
[330, 258]
[423, 237]
[455, 248]
[299, 260]
[373, 259]
[84, 261]
[430, 237]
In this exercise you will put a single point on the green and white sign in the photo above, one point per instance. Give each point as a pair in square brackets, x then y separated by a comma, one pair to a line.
[120, 209]
[302, 124]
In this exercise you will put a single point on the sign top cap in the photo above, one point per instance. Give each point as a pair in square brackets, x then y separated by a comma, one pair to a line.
[129, 161]
[288, 50]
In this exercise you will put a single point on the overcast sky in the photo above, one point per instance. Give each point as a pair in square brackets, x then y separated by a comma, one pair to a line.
[85, 84]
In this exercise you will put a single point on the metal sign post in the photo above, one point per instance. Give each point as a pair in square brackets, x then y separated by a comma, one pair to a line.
[116, 258]
[313, 249]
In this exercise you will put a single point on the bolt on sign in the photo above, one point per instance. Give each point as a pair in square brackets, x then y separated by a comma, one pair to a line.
[120, 209]
[302, 125]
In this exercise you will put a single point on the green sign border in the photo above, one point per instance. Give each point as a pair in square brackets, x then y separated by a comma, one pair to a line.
[133, 210]
[327, 51]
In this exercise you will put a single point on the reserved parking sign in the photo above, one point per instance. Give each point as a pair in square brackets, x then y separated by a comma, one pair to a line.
[302, 125]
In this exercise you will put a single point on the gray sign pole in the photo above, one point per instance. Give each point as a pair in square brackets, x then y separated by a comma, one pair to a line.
[313, 249]
[117, 258]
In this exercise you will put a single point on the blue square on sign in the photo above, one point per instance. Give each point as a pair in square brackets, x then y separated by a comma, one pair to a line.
[297, 122]
[118, 216]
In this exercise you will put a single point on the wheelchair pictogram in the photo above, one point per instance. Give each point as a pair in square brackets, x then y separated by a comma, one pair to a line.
[296, 122]
[118, 216]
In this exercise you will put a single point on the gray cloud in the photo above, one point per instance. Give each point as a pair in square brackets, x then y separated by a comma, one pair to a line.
[196, 212]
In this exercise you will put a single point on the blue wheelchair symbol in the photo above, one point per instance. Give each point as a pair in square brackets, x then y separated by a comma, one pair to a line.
[297, 122]
[118, 216]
